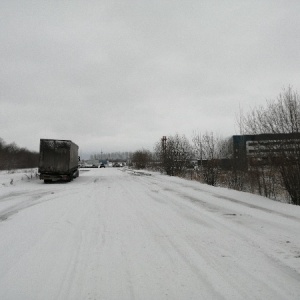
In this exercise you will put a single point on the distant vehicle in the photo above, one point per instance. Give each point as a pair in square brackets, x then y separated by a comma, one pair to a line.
[102, 165]
[58, 160]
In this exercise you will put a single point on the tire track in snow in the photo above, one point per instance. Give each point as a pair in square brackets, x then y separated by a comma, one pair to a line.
[179, 252]
[139, 237]
[34, 199]
[217, 219]
[184, 185]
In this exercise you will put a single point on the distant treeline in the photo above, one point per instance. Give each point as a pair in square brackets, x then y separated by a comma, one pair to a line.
[15, 157]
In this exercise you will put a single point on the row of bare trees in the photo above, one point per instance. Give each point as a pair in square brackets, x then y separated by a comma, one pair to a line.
[177, 156]
[274, 170]
[14, 157]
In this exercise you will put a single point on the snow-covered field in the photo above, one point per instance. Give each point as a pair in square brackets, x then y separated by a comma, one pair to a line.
[119, 234]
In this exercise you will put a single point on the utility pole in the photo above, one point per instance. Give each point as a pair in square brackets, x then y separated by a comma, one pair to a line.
[164, 151]
[164, 144]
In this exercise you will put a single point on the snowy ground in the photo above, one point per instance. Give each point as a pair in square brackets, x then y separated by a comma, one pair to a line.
[113, 234]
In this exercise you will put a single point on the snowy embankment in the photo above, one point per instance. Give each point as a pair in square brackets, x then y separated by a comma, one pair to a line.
[113, 234]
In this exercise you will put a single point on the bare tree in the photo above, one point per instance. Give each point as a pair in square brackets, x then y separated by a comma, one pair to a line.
[141, 159]
[174, 153]
[208, 148]
[280, 116]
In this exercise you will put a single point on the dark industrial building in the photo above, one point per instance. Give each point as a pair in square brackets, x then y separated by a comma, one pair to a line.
[263, 148]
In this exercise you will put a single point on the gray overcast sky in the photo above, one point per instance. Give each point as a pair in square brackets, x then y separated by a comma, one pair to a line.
[117, 75]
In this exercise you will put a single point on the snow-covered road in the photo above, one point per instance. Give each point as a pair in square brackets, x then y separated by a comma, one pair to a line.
[119, 234]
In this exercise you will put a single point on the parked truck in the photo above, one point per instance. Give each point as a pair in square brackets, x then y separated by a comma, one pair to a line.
[58, 160]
